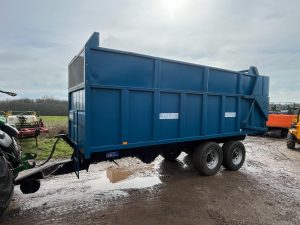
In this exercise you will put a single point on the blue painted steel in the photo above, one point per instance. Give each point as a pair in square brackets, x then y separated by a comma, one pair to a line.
[131, 100]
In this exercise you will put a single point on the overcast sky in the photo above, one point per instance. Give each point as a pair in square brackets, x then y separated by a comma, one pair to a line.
[39, 38]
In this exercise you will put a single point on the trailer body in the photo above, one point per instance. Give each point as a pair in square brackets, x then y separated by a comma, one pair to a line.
[120, 101]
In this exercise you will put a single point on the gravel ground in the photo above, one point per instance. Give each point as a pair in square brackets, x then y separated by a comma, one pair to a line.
[266, 190]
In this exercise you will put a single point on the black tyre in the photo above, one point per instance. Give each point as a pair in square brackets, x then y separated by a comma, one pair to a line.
[234, 155]
[29, 187]
[6, 185]
[207, 158]
[171, 156]
[284, 133]
[291, 143]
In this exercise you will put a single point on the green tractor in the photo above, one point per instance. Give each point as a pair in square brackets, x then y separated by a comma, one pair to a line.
[11, 160]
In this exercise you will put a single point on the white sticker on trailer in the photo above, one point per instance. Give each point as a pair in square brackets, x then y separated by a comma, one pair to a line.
[230, 114]
[168, 116]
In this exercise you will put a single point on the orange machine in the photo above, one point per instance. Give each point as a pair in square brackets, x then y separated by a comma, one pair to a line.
[279, 124]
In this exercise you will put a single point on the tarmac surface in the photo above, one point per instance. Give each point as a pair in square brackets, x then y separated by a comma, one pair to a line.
[266, 190]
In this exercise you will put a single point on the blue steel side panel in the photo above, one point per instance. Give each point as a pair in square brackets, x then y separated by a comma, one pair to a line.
[81, 127]
[213, 115]
[216, 81]
[245, 106]
[230, 122]
[247, 85]
[169, 103]
[105, 116]
[266, 86]
[258, 88]
[71, 125]
[77, 116]
[183, 77]
[193, 122]
[257, 120]
[109, 68]
[140, 116]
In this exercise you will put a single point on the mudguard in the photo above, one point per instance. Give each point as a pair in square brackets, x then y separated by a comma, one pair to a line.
[10, 130]
[5, 139]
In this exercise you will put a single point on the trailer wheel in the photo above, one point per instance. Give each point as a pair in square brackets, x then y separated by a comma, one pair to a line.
[207, 158]
[291, 143]
[171, 156]
[6, 185]
[234, 155]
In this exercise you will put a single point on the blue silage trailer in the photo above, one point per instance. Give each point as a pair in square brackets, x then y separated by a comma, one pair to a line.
[126, 104]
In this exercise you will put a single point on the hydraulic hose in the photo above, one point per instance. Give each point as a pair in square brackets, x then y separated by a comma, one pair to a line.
[51, 153]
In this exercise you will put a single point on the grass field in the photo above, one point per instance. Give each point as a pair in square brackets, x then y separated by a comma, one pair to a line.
[46, 141]
[55, 119]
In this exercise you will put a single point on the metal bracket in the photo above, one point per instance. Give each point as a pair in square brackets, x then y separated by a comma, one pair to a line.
[262, 104]
[76, 161]
[28, 156]
[25, 166]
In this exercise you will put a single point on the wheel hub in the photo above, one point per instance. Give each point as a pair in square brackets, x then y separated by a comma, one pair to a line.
[212, 159]
[237, 156]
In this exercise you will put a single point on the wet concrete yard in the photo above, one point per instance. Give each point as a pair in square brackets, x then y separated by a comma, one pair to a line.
[266, 190]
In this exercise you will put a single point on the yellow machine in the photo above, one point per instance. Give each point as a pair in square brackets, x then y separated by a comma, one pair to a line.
[294, 133]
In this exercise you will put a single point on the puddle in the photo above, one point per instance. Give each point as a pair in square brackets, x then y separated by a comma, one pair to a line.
[106, 183]
[121, 178]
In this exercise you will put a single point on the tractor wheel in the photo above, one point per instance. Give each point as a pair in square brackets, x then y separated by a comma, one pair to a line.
[171, 156]
[234, 155]
[291, 143]
[6, 185]
[207, 158]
